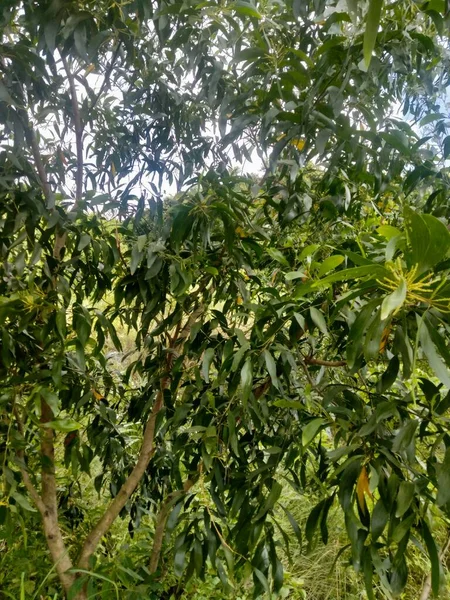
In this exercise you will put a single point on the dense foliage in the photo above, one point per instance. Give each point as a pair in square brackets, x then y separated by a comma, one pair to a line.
[225, 260]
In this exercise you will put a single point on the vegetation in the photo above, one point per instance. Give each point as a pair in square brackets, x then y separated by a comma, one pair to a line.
[224, 299]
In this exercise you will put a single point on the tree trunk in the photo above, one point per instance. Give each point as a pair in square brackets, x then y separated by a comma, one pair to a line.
[161, 521]
[49, 507]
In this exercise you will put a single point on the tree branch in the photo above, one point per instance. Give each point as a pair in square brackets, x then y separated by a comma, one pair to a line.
[131, 483]
[52, 530]
[145, 454]
[34, 494]
[78, 131]
[60, 237]
[32, 141]
[161, 521]
[107, 75]
[309, 360]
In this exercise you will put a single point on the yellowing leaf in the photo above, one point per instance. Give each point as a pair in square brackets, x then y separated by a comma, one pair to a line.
[240, 232]
[97, 395]
[384, 338]
[362, 487]
[298, 143]
[393, 302]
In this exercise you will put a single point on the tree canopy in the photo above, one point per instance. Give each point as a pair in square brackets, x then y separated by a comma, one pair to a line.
[225, 257]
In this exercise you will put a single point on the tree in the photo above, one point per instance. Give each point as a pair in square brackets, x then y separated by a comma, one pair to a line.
[284, 328]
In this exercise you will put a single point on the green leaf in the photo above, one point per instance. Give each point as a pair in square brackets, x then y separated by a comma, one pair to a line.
[376, 272]
[370, 34]
[295, 526]
[310, 430]
[402, 528]
[278, 256]
[443, 480]
[388, 231]
[85, 240]
[368, 573]
[405, 436]
[247, 9]
[446, 145]
[22, 501]
[271, 499]
[313, 520]
[50, 398]
[207, 359]
[434, 359]
[179, 561]
[330, 263]
[308, 251]
[393, 302]
[434, 558]
[5, 95]
[318, 320]
[404, 498]
[428, 240]
[246, 380]
[65, 425]
[136, 257]
[389, 376]
[294, 275]
[380, 517]
[271, 368]
[61, 323]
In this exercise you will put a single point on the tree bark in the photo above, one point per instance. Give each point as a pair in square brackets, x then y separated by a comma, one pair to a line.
[128, 487]
[161, 521]
[49, 506]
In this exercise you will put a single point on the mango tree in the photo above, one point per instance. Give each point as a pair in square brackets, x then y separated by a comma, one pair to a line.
[288, 326]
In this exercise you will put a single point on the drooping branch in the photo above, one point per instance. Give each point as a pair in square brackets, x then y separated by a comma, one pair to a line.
[78, 131]
[161, 521]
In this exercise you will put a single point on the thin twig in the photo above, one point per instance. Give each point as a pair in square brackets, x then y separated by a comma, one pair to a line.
[308, 374]
[39, 163]
[107, 76]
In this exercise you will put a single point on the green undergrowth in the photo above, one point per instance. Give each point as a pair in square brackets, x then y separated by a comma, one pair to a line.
[318, 573]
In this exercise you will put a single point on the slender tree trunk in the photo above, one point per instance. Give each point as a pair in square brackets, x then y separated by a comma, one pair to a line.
[161, 521]
[47, 503]
[49, 507]
[128, 487]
